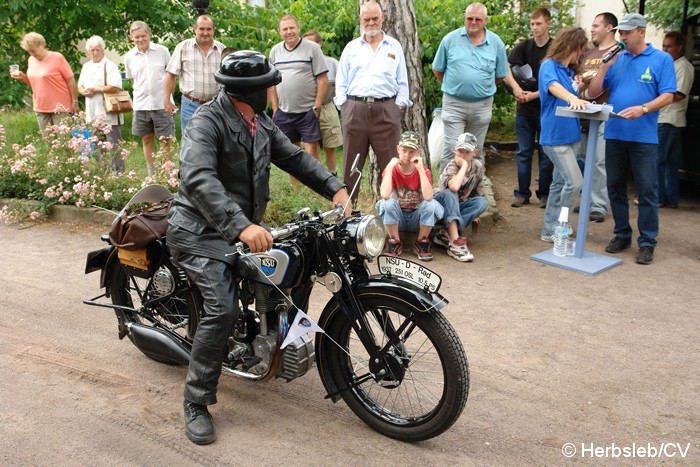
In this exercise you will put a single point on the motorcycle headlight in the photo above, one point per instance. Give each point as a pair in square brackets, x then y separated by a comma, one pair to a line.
[369, 234]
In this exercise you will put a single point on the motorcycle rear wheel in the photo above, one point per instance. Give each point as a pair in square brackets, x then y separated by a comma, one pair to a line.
[428, 384]
[178, 313]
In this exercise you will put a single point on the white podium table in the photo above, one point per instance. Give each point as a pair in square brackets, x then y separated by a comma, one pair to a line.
[582, 260]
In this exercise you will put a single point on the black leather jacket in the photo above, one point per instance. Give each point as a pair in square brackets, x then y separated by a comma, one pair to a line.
[225, 174]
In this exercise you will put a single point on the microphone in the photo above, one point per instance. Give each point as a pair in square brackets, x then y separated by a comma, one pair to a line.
[620, 47]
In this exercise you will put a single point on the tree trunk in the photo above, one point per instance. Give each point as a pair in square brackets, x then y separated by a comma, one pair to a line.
[400, 23]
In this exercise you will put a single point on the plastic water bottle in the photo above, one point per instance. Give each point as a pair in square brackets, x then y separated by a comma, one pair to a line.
[562, 232]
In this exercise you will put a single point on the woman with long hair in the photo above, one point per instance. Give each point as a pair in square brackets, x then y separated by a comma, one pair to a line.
[560, 137]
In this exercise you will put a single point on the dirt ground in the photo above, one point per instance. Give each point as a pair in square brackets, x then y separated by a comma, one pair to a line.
[608, 363]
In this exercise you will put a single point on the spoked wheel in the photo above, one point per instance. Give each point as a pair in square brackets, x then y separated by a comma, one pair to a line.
[163, 301]
[419, 386]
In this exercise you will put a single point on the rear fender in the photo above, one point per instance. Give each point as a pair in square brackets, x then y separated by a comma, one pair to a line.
[418, 299]
[101, 260]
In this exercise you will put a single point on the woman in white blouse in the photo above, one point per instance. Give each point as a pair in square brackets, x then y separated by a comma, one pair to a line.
[101, 75]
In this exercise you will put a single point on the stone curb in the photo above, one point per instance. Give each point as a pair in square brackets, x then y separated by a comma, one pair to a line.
[66, 213]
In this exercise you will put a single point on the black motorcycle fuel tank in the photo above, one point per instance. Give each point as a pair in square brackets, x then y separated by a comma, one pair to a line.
[282, 266]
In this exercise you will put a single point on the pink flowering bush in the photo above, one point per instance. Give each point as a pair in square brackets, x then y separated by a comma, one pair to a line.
[65, 167]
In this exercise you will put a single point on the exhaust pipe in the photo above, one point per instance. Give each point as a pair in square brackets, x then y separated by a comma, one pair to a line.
[156, 344]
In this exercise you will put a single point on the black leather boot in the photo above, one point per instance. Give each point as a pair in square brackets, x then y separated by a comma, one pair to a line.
[199, 427]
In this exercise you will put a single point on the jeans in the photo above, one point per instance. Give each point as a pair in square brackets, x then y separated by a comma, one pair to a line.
[670, 154]
[459, 116]
[527, 130]
[463, 212]
[427, 213]
[566, 183]
[187, 107]
[599, 190]
[621, 157]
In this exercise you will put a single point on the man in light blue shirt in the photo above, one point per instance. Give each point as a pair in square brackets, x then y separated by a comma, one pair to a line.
[469, 63]
[371, 90]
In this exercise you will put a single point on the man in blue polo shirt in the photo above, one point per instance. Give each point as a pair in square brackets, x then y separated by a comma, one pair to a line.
[641, 80]
[469, 63]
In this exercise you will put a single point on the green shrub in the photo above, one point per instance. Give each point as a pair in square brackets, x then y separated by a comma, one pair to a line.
[63, 168]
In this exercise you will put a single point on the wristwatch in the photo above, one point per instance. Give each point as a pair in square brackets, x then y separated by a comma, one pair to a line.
[645, 109]
[315, 109]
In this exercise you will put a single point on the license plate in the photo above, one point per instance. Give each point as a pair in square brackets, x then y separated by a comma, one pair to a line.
[417, 274]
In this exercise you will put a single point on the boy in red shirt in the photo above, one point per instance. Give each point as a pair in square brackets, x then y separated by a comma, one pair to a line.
[407, 202]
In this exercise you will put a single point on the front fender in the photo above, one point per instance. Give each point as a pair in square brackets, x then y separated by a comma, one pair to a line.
[375, 287]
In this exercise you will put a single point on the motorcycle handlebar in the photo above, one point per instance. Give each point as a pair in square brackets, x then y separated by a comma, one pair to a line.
[288, 229]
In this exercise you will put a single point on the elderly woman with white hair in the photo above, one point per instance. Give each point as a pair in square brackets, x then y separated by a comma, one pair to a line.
[98, 76]
[51, 79]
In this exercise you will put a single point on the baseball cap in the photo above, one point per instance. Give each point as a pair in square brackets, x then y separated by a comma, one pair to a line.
[631, 21]
[466, 141]
[409, 139]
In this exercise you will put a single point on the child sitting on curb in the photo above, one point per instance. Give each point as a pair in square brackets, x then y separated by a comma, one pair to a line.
[460, 192]
[407, 202]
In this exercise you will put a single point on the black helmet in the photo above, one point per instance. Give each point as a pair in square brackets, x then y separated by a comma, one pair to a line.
[247, 69]
[527, 84]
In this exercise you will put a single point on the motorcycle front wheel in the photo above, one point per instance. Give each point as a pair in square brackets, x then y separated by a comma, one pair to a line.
[420, 387]
[163, 301]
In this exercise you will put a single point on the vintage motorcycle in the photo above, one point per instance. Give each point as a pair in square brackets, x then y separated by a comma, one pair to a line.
[385, 347]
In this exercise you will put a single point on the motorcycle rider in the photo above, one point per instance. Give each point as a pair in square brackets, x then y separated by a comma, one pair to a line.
[225, 161]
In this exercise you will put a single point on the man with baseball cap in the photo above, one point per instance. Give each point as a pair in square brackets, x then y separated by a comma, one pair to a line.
[641, 80]
[460, 192]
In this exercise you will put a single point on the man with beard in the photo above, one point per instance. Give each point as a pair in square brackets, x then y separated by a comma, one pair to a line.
[371, 90]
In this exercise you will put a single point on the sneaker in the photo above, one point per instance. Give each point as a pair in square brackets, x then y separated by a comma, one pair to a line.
[646, 255]
[199, 427]
[518, 201]
[441, 238]
[618, 244]
[543, 202]
[596, 216]
[394, 247]
[422, 249]
[547, 238]
[459, 251]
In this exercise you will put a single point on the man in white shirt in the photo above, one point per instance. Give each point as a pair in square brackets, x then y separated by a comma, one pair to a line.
[371, 90]
[145, 68]
[672, 121]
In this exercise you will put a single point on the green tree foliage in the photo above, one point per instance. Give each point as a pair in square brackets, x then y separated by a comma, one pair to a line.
[63, 23]
[666, 14]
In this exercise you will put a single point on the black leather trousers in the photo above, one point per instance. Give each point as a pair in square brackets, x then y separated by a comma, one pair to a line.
[215, 281]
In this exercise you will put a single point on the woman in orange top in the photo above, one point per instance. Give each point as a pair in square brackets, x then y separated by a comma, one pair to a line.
[51, 79]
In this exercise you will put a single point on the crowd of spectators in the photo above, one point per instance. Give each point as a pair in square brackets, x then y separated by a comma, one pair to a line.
[369, 86]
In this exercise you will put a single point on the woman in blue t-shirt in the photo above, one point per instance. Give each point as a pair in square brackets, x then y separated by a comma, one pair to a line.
[561, 136]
